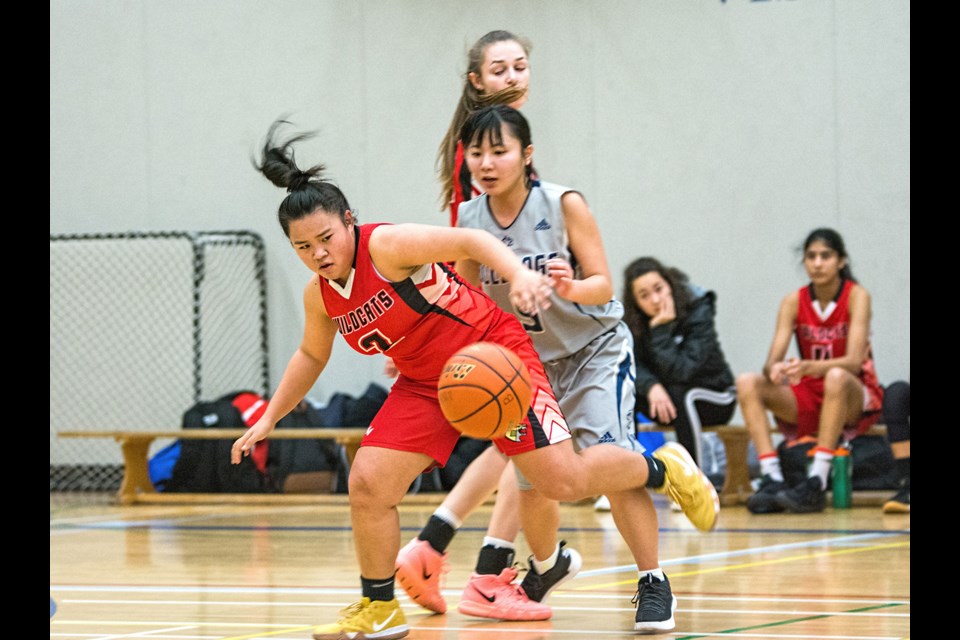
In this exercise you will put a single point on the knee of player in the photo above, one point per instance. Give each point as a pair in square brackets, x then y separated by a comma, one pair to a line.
[363, 487]
[836, 380]
[748, 383]
[562, 490]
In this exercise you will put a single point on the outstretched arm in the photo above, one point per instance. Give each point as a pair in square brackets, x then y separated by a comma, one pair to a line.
[399, 250]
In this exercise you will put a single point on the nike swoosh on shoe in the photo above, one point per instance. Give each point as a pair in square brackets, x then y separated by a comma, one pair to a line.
[377, 626]
[489, 599]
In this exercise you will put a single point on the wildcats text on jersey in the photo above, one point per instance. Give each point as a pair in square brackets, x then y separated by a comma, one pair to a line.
[364, 314]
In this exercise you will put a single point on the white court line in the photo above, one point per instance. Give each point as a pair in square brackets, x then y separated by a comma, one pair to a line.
[254, 603]
[583, 595]
[110, 520]
[149, 634]
[307, 591]
[580, 633]
[824, 542]
[200, 589]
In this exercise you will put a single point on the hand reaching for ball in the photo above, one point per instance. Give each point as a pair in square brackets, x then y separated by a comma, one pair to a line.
[530, 291]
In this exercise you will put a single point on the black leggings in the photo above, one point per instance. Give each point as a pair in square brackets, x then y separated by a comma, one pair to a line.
[896, 411]
[709, 414]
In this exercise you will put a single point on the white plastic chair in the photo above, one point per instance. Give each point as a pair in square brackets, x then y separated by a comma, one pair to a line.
[701, 394]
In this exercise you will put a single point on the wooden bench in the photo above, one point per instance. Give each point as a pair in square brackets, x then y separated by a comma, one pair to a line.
[135, 445]
[736, 483]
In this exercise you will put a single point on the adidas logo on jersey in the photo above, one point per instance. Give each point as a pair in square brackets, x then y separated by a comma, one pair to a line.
[543, 225]
[606, 437]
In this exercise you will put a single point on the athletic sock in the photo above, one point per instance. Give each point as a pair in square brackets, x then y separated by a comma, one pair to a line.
[822, 459]
[657, 472]
[542, 566]
[656, 573]
[438, 533]
[770, 466]
[495, 556]
[381, 589]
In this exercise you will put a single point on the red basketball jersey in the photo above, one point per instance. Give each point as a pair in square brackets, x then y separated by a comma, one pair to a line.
[825, 337]
[822, 337]
[419, 322]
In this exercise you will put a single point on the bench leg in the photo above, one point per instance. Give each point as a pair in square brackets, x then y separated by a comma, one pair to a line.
[351, 445]
[350, 448]
[736, 484]
[136, 476]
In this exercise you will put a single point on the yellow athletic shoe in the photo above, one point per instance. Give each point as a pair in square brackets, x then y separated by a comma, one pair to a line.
[366, 620]
[688, 486]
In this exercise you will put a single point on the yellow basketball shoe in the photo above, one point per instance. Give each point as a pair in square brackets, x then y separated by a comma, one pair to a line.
[366, 620]
[688, 486]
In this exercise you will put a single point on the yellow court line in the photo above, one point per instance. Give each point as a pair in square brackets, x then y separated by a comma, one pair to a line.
[270, 633]
[745, 565]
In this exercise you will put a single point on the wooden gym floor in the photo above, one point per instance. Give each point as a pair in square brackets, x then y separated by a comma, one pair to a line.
[219, 572]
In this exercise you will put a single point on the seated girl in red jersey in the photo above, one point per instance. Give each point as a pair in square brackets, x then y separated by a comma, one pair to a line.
[387, 290]
[829, 392]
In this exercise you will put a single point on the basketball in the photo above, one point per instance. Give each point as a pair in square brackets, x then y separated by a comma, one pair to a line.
[485, 391]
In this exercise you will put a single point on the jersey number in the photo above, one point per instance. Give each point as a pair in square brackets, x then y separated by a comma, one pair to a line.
[530, 321]
[374, 341]
[821, 351]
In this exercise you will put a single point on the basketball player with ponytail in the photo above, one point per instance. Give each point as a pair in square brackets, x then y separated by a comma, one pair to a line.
[498, 72]
[830, 392]
[588, 354]
[387, 290]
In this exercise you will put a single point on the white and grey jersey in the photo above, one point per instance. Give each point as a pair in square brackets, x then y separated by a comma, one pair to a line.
[537, 234]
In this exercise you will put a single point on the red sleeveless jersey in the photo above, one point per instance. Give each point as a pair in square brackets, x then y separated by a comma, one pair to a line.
[823, 338]
[419, 322]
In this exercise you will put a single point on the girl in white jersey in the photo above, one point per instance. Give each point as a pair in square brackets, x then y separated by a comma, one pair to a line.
[586, 349]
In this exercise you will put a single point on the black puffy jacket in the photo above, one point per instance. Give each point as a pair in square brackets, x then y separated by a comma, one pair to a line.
[684, 352]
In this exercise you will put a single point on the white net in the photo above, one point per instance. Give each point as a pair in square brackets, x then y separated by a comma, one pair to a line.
[143, 325]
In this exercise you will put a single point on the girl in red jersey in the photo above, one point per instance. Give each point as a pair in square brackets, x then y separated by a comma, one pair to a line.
[830, 391]
[386, 289]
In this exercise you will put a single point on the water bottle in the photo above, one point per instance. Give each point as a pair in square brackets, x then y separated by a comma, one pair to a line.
[841, 477]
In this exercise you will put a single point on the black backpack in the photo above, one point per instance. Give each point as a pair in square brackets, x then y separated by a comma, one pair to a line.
[872, 460]
[307, 455]
[288, 457]
[204, 465]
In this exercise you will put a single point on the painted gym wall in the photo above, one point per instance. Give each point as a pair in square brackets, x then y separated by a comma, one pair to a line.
[712, 134]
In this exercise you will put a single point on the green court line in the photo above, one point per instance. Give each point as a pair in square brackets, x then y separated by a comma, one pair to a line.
[787, 622]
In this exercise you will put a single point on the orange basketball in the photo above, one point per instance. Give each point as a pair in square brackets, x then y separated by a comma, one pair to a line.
[485, 391]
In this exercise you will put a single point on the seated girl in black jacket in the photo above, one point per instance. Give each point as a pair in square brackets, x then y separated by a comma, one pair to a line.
[676, 347]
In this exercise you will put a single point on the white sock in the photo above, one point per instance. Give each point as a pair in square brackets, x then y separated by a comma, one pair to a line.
[542, 566]
[821, 466]
[770, 466]
[656, 573]
[448, 516]
[498, 542]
